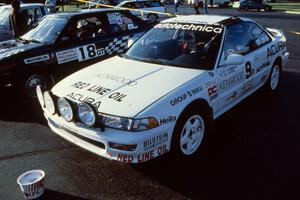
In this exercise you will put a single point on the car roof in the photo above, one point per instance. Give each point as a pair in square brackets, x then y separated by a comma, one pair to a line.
[25, 5]
[204, 19]
[85, 11]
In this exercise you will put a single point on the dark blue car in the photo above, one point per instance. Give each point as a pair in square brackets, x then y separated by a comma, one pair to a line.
[64, 43]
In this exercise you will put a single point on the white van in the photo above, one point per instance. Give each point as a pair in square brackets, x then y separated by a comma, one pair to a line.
[145, 5]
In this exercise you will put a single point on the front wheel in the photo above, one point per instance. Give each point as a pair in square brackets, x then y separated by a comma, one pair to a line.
[32, 80]
[190, 133]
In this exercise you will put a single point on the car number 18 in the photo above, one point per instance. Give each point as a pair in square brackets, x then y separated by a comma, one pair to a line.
[90, 51]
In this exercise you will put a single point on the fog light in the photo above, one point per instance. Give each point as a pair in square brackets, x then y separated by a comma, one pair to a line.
[49, 103]
[123, 147]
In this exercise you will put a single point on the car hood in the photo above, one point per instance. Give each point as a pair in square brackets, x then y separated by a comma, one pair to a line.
[13, 47]
[123, 87]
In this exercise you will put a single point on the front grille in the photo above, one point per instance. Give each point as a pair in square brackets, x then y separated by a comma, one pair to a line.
[96, 143]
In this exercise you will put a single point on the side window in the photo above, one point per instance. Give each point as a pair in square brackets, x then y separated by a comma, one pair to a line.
[152, 4]
[128, 5]
[86, 28]
[138, 5]
[119, 22]
[259, 36]
[33, 16]
[237, 40]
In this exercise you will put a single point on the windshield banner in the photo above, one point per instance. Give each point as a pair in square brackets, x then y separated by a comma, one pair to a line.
[192, 27]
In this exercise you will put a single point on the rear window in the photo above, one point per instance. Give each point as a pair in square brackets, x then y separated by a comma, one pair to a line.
[119, 22]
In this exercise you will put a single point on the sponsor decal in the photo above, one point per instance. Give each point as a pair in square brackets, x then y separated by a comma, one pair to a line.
[66, 56]
[157, 140]
[117, 79]
[37, 59]
[186, 95]
[144, 156]
[83, 98]
[150, 154]
[80, 85]
[247, 87]
[191, 27]
[232, 80]
[275, 48]
[117, 96]
[263, 66]
[114, 18]
[131, 26]
[212, 92]
[125, 158]
[232, 96]
[167, 120]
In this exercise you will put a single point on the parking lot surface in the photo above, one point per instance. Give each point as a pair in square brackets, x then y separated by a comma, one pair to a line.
[254, 155]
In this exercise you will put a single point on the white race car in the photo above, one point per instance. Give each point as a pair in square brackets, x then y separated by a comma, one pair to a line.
[165, 92]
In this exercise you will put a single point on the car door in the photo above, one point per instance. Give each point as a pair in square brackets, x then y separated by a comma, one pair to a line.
[234, 72]
[261, 62]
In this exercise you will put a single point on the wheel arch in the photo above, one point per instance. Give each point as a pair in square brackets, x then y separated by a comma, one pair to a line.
[198, 103]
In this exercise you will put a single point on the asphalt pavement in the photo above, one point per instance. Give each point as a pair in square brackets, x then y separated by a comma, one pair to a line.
[254, 155]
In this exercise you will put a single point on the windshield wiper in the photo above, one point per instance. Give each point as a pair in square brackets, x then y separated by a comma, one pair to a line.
[31, 40]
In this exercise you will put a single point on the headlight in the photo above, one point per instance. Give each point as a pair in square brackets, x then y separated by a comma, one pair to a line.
[65, 109]
[49, 103]
[39, 95]
[129, 124]
[86, 114]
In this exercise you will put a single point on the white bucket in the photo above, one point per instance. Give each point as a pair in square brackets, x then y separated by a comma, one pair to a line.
[32, 183]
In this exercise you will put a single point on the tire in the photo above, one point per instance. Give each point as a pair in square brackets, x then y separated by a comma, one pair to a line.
[246, 8]
[32, 80]
[273, 81]
[190, 133]
[152, 18]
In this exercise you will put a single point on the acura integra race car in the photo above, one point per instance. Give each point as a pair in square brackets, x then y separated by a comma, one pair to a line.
[165, 92]
[64, 43]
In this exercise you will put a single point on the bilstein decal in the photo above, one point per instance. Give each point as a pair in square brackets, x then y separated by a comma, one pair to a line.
[156, 140]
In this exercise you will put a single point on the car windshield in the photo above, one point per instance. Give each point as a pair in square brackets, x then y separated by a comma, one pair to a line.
[47, 31]
[184, 45]
[4, 18]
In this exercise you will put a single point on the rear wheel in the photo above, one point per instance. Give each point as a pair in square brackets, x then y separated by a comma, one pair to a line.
[274, 78]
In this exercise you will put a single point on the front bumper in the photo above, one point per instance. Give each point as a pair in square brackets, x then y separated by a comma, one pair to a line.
[150, 144]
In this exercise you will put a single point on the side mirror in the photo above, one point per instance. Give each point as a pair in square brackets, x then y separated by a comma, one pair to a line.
[234, 59]
[65, 39]
[130, 42]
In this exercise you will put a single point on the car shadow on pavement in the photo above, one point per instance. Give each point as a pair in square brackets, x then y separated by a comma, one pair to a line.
[253, 155]
[54, 195]
[17, 108]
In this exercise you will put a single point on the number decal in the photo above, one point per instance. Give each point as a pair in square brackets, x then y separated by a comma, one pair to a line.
[248, 70]
[89, 51]
[82, 53]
